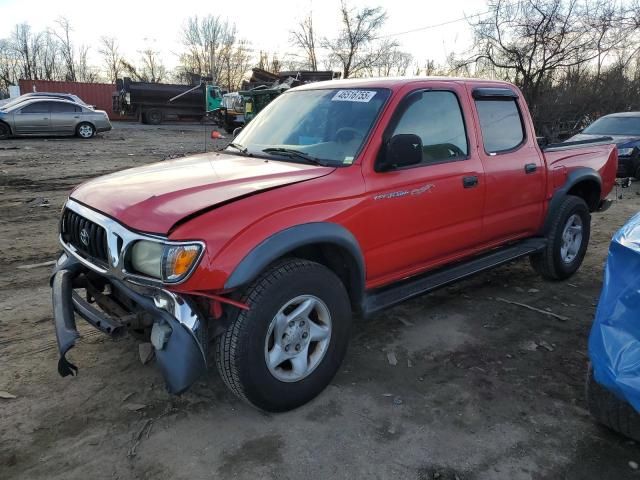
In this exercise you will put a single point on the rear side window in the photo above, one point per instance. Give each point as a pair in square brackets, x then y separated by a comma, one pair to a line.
[37, 107]
[435, 116]
[501, 124]
[59, 107]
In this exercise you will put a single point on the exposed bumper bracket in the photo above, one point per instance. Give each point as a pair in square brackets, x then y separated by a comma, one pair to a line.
[182, 357]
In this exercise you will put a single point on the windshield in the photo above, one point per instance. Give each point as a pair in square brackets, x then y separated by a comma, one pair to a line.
[615, 126]
[329, 125]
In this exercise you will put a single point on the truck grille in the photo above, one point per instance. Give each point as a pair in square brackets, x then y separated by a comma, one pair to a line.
[89, 238]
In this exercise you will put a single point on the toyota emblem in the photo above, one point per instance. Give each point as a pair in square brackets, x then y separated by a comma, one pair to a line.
[84, 237]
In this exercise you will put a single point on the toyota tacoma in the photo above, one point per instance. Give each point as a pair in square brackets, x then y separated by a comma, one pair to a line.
[339, 198]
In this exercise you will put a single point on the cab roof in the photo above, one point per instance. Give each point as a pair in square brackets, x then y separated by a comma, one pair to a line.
[394, 83]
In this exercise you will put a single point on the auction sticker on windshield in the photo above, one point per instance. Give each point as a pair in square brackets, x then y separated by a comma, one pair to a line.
[353, 96]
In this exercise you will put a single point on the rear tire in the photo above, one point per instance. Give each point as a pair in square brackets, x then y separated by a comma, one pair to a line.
[5, 131]
[286, 348]
[85, 130]
[610, 411]
[154, 117]
[567, 240]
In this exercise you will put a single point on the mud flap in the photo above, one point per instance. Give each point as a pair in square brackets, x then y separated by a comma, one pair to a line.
[64, 319]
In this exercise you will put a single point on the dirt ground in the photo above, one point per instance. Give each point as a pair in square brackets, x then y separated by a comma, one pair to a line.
[480, 389]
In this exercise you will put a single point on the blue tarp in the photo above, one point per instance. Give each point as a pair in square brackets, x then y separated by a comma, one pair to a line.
[614, 343]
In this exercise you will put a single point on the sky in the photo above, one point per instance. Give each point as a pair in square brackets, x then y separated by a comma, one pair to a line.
[265, 24]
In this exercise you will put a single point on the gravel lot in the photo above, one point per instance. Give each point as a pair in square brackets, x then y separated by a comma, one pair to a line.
[454, 385]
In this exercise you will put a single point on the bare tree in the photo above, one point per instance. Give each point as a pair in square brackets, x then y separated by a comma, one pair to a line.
[63, 33]
[390, 61]
[84, 71]
[236, 64]
[529, 41]
[271, 64]
[351, 49]
[208, 42]
[304, 37]
[152, 69]
[110, 51]
[26, 47]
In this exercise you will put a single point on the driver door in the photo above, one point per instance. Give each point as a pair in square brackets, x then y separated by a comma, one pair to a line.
[426, 214]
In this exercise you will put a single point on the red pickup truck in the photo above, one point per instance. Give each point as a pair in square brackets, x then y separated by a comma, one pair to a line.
[339, 197]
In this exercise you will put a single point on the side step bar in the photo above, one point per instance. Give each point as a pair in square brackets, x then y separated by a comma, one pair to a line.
[385, 297]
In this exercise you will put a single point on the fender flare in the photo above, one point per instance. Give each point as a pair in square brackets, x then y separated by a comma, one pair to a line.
[295, 237]
[573, 178]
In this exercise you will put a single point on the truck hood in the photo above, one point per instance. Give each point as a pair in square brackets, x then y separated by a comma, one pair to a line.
[153, 198]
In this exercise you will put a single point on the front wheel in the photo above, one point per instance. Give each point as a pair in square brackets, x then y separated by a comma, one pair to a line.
[287, 347]
[568, 238]
[85, 130]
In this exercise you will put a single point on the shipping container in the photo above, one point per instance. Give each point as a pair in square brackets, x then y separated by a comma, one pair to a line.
[97, 94]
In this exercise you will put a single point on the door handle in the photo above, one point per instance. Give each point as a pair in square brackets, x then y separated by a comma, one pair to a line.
[469, 182]
[76, 116]
[530, 168]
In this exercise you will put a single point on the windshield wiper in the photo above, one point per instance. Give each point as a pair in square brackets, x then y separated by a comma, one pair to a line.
[292, 153]
[240, 148]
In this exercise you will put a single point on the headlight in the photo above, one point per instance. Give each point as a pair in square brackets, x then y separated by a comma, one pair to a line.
[625, 152]
[169, 263]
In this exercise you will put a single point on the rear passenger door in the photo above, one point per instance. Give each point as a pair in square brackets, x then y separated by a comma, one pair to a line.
[64, 117]
[514, 170]
[32, 118]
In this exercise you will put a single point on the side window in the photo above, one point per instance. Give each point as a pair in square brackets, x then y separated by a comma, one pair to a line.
[436, 118]
[37, 107]
[501, 124]
[61, 107]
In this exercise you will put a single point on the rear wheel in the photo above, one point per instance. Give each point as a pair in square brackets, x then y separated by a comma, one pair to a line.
[154, 117]
[286, 349]
[5, 131]
[85, 130]
[567, 240]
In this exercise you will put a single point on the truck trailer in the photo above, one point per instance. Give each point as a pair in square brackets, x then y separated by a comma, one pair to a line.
[154, 103]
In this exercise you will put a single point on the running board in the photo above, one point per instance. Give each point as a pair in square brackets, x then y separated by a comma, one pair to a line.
[385, 297]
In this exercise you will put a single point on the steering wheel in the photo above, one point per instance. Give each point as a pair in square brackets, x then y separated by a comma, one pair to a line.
[342, 134]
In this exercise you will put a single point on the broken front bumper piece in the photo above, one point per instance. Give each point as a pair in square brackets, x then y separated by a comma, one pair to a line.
[178, 331]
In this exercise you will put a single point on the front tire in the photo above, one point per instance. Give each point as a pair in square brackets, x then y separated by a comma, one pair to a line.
[287, 347]
[567, 240]
[85, 130]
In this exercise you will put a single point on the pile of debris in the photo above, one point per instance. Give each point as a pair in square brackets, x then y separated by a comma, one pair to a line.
[283, 80]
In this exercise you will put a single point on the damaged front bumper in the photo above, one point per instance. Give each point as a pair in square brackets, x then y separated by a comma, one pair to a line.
[178, 330]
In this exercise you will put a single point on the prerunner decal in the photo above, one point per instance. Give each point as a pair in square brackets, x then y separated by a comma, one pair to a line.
[403, 193]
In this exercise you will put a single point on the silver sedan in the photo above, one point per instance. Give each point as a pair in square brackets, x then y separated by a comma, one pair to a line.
[50, 116]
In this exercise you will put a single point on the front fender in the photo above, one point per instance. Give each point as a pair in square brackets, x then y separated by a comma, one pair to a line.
[279, 244]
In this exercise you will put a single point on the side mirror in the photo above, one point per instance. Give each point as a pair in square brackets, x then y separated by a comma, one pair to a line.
[542, 141]
[236, 131]
[402, 150]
